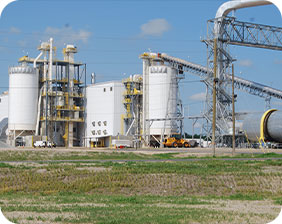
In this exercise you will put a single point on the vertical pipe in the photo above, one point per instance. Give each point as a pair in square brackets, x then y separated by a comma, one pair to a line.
[45, 91]
[56, 102]
[214, 94]
[233, 113]
[145, 93]
[68, 104]
[84, 105]
[46, 108]
[36, 59]
[50, 65]
[49, 88]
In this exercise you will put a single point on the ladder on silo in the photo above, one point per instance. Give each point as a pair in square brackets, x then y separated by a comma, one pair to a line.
[167, 112]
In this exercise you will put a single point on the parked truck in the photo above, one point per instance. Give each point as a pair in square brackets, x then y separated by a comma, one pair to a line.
[44, 144]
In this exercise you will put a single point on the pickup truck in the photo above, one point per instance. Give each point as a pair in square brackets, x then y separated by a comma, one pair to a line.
[44, 144]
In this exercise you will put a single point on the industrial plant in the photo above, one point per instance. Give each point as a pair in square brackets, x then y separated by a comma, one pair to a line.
[48, 99]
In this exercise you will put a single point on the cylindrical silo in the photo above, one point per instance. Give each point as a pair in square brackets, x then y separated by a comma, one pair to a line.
[163, 98]
[23, 98]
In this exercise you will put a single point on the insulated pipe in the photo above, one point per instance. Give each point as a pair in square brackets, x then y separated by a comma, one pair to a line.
[227, 7]
[145, 93]
[38, 112]
[50, 65]
[36, 59]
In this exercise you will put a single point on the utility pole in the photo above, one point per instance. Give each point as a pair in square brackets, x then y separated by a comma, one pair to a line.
[233, 113]
[214, 94]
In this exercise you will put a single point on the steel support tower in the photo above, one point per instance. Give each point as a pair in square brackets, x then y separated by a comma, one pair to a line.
[222, 32]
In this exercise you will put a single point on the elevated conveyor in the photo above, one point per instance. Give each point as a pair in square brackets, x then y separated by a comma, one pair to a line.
[250, 87]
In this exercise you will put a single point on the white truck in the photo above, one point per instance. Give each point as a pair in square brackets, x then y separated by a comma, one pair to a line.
[122, 143]
[44, 144]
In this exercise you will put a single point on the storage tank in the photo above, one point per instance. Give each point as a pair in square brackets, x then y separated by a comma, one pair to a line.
[23, 98]
[266, 126]
[163, 98]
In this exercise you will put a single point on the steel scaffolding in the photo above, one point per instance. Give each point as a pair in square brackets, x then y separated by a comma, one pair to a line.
[222, 32]
[133, 105]
[62, 98]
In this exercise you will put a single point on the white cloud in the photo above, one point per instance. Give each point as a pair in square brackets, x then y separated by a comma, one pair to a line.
[246, 63]
[14, 30]
[66, 35]
[22, 43]
[198, 97]
[155, 27]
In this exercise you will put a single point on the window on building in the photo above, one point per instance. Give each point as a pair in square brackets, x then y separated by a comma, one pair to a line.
[111, 88]
[104, 89]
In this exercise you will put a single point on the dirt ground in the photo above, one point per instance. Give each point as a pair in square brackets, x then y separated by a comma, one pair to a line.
[150, 151]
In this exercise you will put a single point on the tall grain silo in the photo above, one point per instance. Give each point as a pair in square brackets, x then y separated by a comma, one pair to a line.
[163, 99]
[23, 100]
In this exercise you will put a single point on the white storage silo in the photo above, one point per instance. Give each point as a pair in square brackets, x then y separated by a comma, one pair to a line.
[163, 98]
[23, 98]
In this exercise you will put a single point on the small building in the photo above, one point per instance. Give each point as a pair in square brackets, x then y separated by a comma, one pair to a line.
[104, 113]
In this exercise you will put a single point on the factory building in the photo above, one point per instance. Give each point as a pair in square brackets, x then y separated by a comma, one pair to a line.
[46, 98]
[104, 113]
[49, 100]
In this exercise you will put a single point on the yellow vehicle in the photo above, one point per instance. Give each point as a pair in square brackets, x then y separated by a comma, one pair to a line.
[176, 140]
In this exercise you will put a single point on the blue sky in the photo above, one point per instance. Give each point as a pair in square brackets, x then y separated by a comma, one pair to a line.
[110, 36]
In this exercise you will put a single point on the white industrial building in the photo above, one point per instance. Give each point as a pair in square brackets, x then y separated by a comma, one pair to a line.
[48, 99]
[104, 110]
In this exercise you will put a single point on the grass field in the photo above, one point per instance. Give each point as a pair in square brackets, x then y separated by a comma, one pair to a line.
[205, 191]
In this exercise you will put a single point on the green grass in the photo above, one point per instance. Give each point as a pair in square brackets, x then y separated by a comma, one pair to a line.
[64, 155]
[122, 209]
[88, 155]
[278, 200]
[137, 192]
[5, 165]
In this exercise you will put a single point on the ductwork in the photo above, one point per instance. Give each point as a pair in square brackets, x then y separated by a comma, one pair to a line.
[227, 7]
